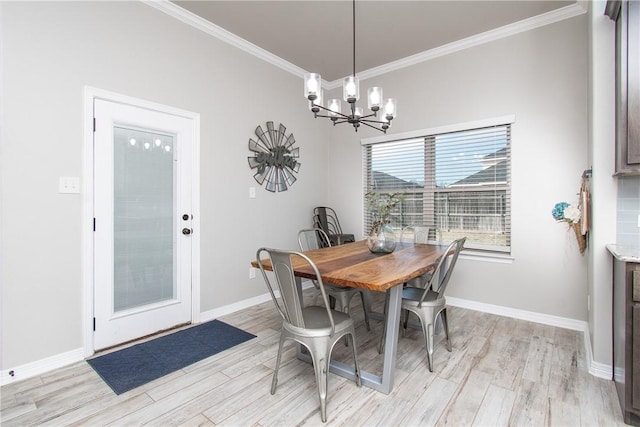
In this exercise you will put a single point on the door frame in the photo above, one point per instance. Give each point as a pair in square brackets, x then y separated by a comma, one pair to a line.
[87, 182]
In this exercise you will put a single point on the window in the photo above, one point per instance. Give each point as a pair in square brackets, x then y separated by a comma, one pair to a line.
[456, 182]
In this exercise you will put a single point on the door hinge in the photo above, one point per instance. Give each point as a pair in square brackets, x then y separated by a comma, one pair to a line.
[94, 224]
[94, 324]
[94, 124]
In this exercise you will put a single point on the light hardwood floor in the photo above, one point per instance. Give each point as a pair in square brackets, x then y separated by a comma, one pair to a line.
[501, 371]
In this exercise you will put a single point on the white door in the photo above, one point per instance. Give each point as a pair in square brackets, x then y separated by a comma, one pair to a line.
[143, 222]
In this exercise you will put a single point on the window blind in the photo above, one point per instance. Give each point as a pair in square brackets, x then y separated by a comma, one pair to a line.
[455, 183]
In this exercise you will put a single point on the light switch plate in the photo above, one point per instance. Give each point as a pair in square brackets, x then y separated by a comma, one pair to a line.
[69, 185]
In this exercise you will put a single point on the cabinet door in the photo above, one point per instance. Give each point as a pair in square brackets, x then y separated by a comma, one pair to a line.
[635, 359]
[626, 15]
[633, 83]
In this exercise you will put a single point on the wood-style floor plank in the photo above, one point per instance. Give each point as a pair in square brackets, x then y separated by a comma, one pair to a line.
[500, 371]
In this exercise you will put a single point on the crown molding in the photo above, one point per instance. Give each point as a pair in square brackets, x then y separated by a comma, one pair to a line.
[220, 33]
[475, 40]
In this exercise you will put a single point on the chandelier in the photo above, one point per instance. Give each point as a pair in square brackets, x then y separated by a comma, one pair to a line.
[351, 93]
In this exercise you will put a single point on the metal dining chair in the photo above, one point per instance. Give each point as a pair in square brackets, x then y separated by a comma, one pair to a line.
[316, 328]
[416, 234]
[429, 302]
[313, 238]
[326, 219]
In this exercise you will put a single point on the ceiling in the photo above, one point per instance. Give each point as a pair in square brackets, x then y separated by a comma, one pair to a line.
[318, 35]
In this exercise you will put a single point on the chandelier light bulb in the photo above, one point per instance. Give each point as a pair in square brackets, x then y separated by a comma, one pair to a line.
[351, 89]
[390, 108]
[374, 96]
[334, 107]
[358, 112]
[312, 86]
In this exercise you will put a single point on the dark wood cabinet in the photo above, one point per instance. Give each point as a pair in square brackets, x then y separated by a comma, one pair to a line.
[626, 338]
[626, 15]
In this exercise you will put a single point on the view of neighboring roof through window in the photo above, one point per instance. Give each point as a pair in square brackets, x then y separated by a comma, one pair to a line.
[456, 183]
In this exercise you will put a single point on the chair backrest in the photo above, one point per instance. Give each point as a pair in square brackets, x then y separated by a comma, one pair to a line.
[290, 305]
[415, 234]
[312, 238]
[440, 278]
[326, 219]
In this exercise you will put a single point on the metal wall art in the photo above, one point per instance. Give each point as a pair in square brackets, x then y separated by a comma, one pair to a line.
[274, 157]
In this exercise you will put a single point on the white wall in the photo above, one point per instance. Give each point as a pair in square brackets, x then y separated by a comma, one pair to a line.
[51, 51]
[603, 184]
[541, 77]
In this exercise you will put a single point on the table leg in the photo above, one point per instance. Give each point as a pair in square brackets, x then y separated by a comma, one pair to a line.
[391, 339]
[382, 383]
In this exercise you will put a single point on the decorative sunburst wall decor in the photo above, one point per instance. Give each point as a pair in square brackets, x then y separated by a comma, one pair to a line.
[275, 158]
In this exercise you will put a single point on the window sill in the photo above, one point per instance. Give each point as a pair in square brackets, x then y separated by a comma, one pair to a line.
[475, 255]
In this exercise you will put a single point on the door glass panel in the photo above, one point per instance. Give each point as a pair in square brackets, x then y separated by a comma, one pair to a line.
[143, 218]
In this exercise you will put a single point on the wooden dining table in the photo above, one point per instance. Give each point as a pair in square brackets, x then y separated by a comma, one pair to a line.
[353, 265]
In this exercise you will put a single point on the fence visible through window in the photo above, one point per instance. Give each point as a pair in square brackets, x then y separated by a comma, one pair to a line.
[457, 184]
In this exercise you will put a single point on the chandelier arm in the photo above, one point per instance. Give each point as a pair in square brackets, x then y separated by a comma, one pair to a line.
[339, 122]
[371, 126]
[330, 110]
[373, 121]
[369, 115]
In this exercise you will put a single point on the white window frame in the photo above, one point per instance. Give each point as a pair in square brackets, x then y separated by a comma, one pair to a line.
[495, 256]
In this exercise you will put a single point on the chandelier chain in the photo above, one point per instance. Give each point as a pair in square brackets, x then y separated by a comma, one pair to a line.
[354, 37]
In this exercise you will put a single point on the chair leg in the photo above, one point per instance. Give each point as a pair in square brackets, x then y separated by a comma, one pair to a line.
[405, 322]
[345, 301]
[366, 306]
[274, 382]
[321, 368]
[355, 361]
[428, 335]
[445, 326]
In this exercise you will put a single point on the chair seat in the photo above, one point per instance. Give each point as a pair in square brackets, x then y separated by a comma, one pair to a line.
[337, 288]
[341, 239]
[420, 281]
[317, 322]
[411, 296]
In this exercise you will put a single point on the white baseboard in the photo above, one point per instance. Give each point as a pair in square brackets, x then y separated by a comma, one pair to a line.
[232, 308]
[596, 369]
[39, 367]
[241, 305]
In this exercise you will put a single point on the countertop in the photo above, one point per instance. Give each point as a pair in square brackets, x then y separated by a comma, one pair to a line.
[624, 252]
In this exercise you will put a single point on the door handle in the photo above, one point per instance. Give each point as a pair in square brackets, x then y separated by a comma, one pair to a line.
[186, 231]
[187, 217]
